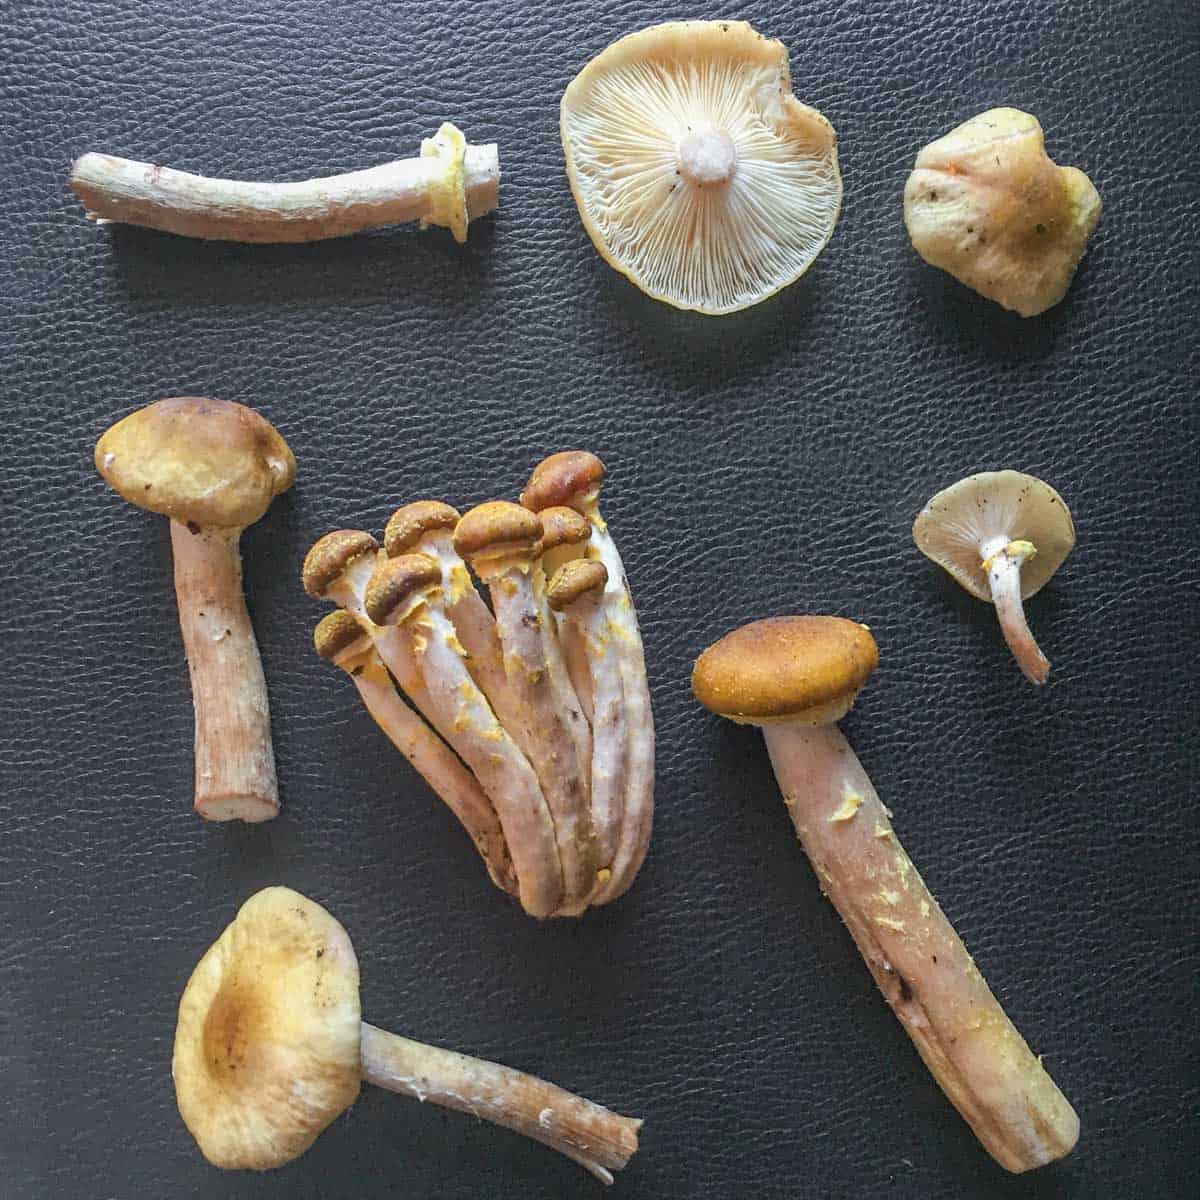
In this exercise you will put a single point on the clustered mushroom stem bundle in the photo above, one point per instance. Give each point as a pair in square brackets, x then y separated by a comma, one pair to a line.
[450, 184]
[796, 677]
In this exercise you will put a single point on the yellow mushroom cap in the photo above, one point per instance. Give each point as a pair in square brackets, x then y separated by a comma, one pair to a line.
[965, 521]
[696, 171]
[986, 204]
[267, 1041]
[211, 463]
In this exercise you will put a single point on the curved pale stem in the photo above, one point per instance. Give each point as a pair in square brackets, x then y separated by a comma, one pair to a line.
[595, 1137]
[235, 761]
[1004, 579]
[919, 962]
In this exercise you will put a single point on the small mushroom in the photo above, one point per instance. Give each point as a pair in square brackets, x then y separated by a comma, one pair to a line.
[573, 479]
[270, 1047]
[502, 542]
[564, 538]
[1002, 535]
[795, 677]
[987, 205]
[404, 595]
[212, 467]
[341, 640]
[697, 173]
[450, 184]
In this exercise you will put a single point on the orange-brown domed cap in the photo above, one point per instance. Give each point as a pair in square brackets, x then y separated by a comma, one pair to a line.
[561, 478]
[498, 528]
[803, 668]
[574, 579]
[396, 580]
[563, 526]
[338, 633]
[411, 522]
[330, 557]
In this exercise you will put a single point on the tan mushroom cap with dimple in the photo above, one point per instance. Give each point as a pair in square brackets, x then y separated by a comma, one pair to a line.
[331, 557]
[697, 173]
[801, 668]
[395, 582]
[575, 579]
[411, 522]
[208, 463]
[563, 526]
[560, 479]
[339, 635]
[498, 529]
[267, 1041]
[956, 526]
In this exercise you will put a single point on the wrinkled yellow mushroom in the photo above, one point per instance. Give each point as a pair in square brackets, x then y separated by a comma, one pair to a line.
[986, 204]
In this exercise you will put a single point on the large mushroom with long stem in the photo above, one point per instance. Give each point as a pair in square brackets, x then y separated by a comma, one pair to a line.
[213, 467]
[1001, 535]
[796, 677]
[340, 639]
[572, 479]
[270, 1047]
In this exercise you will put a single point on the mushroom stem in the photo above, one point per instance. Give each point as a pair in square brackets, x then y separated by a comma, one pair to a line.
[235, 763]
[230, 210]
[595, 1137]
[919, 962]
[1004, 578]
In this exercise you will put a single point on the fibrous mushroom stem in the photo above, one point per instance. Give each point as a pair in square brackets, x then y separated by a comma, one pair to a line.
[231, 210]
[235, 762]
[595, 1137]
[440, 768]
[1004, 579]
[920, 964]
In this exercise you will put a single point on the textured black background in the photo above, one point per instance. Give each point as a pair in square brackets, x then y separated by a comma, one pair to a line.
[761, 463]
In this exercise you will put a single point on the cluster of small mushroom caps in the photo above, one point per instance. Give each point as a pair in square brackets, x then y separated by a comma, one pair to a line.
[532, 718]
[697, 174]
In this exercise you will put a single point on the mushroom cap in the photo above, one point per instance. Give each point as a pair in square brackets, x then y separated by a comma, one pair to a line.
[339, 635]
[986, 204]
[975, 513]
[805, 669]
[267, 1040]
[498, 529]
[411, 522]
[330, 558]
[562, 526]
[561, 479]
[697, 173]
[395, 582]
[575, 579]
[211, 463]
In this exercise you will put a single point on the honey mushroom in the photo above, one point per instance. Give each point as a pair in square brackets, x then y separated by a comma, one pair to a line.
[796, 677]
[270, 1047]
[341, 640]
[502, 542]
[213, 467]
[404, 596]
[573, 479]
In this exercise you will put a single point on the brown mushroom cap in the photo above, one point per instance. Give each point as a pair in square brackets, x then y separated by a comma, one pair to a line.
[574, 579]
[394, 582]
[559, 479]
[498, 529]
[339, 635]
[267, 1040]
[331, 556]
[806, 669]
[411, 522]
[209, 463]
[563, 526]
[960, 521]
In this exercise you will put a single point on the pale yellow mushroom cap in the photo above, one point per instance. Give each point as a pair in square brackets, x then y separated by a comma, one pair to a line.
[696, 171]
[267, 1041]
[986, 204]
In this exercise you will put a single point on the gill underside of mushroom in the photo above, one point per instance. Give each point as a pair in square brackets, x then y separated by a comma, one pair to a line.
[235, 761]
[1004, 579]
[451, 184]
[595, 1137]
[919, 962]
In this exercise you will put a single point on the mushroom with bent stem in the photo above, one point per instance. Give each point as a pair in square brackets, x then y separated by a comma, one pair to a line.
[270, 1047]
[1001, 535]
[341, 640]
[795, 677]
[213, 467]
[450, 184]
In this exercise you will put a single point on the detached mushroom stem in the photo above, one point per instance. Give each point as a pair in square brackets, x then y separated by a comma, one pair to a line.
[1004, 579]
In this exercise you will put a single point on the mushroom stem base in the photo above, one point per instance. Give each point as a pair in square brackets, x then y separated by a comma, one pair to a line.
[235, 762]
[598, 1139]
[919, 962]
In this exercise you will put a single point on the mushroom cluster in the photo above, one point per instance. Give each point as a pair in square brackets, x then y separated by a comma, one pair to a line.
[530, 719]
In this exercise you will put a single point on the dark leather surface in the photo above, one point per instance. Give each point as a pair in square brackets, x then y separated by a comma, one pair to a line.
[761, 463]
